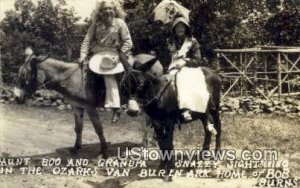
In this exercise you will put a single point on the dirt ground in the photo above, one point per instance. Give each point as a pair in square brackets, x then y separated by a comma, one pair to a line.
[39, 133]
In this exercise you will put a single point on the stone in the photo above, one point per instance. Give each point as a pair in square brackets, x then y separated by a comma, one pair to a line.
[61, 107]
[53, 104]
[269, 109]
[11, 99]
[59, 101]
[276, 102]
[46, 103]
[225, 108]
[230, 113]
[256, 111]
[68, 107]
[279, 112]
[278, 108]
[5, 97]
[233, 103]
[40, 99]
[36, 103]
[267, 104]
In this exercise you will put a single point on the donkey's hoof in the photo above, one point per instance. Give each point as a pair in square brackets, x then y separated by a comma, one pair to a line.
[168, 179]
[74, 151]
[102, 155]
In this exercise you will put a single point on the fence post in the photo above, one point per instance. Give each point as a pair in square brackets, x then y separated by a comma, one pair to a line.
[254, 74]
[242, 69]
[279, 75]
[265, 59]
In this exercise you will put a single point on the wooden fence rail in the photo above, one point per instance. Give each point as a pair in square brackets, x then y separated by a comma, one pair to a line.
[258, 68]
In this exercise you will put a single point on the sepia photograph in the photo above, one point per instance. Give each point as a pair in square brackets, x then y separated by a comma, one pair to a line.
[149, 93]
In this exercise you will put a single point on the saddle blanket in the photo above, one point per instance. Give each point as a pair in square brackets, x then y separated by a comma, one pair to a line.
[192, 89]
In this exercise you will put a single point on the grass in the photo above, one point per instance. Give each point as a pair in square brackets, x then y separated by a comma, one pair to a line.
[247, 132]
[251, 132]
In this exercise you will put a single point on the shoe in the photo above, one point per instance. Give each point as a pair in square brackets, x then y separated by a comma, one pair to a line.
[186, 115]
[116, 116]
[212, 129]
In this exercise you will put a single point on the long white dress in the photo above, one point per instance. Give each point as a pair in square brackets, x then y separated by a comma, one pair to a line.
[190, 82]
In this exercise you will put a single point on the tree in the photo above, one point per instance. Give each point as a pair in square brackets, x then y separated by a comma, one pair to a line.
[48, 28]
[56, 28]
[2, 36]
[283, 28]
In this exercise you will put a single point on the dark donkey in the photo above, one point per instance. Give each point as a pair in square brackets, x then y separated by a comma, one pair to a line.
[158, 99]
[67, 79]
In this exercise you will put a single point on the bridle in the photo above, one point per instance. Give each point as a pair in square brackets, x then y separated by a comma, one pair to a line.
[145, 102]
[24, 69]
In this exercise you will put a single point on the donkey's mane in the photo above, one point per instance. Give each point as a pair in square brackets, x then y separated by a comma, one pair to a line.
[60, 64]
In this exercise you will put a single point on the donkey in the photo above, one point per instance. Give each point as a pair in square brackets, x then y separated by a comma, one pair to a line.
[67, 79]
[158, 99]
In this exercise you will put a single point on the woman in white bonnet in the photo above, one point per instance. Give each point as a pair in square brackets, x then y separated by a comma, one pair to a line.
[186, 57]
[108, 32]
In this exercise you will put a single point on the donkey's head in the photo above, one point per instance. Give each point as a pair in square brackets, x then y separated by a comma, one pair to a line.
[27, 77]
[146, 70]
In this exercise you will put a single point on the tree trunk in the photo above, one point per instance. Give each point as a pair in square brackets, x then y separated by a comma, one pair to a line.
[1, 78]
[2, 36]
[69, 54]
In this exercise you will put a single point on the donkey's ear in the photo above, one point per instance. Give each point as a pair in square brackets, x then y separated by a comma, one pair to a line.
[28, 51]
[146, 66]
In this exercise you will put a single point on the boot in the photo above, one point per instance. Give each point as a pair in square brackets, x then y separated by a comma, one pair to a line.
[116, 115]
[186, 115]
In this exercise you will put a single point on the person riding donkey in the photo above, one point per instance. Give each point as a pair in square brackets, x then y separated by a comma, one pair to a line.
[184, 71]
[106, 44]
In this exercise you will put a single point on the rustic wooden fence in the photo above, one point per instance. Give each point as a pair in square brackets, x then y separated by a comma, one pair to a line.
[268, 71]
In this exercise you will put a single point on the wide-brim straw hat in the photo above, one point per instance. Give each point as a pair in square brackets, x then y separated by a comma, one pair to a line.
[106, 63]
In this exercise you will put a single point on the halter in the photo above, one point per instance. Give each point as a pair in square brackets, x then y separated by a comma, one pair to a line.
[27, 61]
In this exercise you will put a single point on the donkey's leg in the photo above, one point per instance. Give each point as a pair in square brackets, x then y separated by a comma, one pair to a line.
[165, 141]
[217, 123]
[207, 136]
[78, 113]
[159, 131]
[98, 128]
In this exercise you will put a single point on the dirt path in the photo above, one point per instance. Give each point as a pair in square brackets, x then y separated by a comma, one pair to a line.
[44, 132]
[28, 131]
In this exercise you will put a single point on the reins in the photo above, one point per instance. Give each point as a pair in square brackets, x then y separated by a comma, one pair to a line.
[57, 81]
[160, 94]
